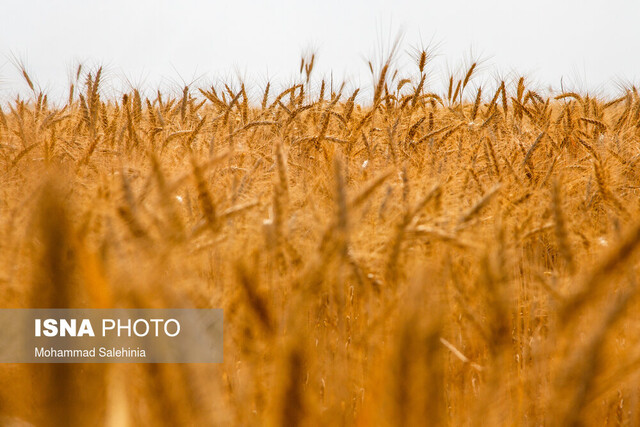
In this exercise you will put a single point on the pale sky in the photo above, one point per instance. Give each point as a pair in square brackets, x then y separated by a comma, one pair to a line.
[589, 44]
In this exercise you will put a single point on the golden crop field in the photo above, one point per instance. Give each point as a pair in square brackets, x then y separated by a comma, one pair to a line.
[391, 257]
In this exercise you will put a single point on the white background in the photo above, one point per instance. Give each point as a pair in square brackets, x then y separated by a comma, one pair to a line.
[591, 45]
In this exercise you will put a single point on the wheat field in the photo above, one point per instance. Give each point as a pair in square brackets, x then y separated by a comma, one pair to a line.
[391, 257]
